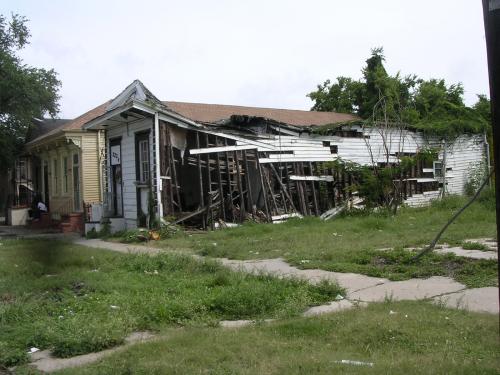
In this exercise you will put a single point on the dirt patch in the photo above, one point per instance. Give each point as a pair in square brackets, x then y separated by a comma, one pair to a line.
[7, 298]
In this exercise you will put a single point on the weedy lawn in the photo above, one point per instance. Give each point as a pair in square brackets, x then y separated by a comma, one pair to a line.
[352, 243]
[74, 300]
[416, 338]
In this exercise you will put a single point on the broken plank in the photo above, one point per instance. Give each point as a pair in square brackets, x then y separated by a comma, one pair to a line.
[311, 178]
[209, 150]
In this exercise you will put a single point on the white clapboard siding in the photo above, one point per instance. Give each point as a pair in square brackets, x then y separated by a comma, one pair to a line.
[418, 200]
[127, 135]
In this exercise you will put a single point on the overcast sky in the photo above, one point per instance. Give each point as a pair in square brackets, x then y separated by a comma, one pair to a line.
[257, 53]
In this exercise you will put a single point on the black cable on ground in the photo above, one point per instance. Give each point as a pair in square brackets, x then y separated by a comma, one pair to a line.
[436, 239]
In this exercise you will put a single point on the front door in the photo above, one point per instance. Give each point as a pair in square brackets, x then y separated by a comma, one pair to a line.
[116, 177]
[143, 177]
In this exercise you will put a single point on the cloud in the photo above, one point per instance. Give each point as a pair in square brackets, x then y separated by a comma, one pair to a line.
[262, 53]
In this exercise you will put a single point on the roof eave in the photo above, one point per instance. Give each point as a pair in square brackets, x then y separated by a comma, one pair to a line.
[164, 114]
[44, 139]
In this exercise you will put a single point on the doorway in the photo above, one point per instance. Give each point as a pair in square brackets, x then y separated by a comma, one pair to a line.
[116, 177]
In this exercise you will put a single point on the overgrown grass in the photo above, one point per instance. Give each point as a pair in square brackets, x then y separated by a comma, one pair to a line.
[467, 245]
[419, 338]
[76, 300]
[350, 243]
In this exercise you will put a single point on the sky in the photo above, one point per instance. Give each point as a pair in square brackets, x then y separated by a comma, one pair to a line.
[255, 53]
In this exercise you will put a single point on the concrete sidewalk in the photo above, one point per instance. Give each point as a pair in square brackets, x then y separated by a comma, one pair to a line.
[360, 289]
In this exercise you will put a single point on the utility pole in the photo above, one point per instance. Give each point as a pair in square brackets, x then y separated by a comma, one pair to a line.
[491, 14]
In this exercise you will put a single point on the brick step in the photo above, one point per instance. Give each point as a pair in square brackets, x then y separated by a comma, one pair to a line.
[72, 223]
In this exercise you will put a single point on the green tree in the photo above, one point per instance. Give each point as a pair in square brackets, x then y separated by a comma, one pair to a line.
[26, 92]
[483, 107]
[430, 105]
[344, 96]
[363, 97]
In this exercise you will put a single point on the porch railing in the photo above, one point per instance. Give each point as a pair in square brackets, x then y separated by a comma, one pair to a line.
[61, 206]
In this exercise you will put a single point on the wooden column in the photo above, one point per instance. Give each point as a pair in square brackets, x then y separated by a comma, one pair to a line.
[313, 187]
[219, 180]
[209, 182]
[263, 189]
[230, 188]
[240, 187]
[200, 176]
[248, 183]
[174, 180]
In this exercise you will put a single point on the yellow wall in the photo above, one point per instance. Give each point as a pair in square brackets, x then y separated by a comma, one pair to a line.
[86, 145]
[91, 182]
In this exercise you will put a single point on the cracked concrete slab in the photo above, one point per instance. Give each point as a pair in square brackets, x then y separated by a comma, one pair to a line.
[333, 307]
[45, 362]
[489, 242]
[273, 266]
[358, 287]
[353, 282]
[279, 267]
[478, 300]
[474, 254]
[413, 289]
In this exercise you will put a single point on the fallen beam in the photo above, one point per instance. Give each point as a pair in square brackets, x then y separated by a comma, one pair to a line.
[311, 178]
[209, 150]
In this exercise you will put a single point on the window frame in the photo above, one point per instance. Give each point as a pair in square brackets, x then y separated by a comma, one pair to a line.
[440, 169]
[143, 158]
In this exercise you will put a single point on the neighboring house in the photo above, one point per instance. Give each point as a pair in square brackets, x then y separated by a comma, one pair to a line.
[60, 167]
[206, 164]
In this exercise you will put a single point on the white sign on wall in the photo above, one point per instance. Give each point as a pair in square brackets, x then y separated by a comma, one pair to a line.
[115, 155]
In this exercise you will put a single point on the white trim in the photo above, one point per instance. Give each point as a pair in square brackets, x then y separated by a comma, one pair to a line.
[292, 158]
[208, 150]
[311, 178]
[96, 122]
[157, 166]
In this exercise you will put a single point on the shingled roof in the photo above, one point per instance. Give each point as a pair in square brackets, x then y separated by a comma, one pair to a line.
[41, 127]
[213, 113]
[199, 112]
[76, 123]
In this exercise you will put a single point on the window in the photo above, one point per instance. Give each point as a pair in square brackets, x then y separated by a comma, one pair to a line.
[144, 160]
[65, 173]
[21, 170]
[55, 171]
[438, 169]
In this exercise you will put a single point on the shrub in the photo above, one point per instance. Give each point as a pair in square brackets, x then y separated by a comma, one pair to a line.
[12, 356]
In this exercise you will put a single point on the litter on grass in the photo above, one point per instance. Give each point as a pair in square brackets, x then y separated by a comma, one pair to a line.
[355, 363]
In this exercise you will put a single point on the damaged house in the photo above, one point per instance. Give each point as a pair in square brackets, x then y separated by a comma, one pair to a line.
[206, 165]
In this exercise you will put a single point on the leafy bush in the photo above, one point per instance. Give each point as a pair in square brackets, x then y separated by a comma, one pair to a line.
[12, 356]
[477, 174]
[71, 337]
